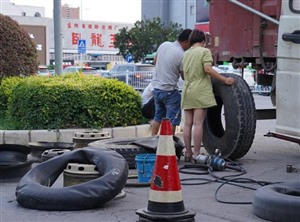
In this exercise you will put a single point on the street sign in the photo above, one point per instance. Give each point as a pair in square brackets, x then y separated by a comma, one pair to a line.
[81, 46]
[129, 57]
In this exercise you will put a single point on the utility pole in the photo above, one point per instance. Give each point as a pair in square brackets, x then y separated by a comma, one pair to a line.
[81, 31]
[57, 36]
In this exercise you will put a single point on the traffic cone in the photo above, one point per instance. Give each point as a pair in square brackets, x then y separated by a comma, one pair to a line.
[165, 198]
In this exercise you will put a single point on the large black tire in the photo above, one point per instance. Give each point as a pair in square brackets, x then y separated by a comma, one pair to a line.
[235, 140]
[34, 190]
[123, 146]
[278, 202]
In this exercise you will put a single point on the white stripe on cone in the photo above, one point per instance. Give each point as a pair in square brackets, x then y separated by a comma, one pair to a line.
[165, 196]
[165, 146]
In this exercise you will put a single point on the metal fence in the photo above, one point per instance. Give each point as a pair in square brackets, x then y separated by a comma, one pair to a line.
[140, 80]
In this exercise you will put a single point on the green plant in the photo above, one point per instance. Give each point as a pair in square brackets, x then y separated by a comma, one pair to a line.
[6, 87]
[5, 124]
[73, 102]
[145, 37]
[19, 56]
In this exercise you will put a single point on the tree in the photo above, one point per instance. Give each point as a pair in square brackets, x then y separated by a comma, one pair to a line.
[18, 55]
[145, 37]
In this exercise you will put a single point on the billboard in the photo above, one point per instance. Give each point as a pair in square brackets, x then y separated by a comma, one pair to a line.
[38, 36]
[99, 36]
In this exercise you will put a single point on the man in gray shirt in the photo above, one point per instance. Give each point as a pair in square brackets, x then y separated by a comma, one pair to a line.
[168, 67]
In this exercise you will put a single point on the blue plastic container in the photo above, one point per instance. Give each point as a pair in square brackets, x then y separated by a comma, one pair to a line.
[144, 166]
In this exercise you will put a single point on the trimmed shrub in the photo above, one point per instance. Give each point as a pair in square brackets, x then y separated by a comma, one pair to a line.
[17, 50]
[73, 102]
[6, 88]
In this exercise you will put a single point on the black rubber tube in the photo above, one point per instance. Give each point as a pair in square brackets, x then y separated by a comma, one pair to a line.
[278, 202]
[35, 191]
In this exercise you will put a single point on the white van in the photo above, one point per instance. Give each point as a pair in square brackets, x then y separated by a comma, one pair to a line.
[288, 70]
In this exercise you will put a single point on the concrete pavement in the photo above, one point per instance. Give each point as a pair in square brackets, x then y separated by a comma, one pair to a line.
[266, 161]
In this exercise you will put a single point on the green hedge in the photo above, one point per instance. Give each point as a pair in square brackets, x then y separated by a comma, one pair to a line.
[6, 88]
[71, 102]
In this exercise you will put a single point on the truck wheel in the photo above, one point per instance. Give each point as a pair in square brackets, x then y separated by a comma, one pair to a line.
[278, 202]
[230, 126]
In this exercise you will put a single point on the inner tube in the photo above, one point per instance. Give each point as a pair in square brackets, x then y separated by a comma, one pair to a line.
[278, 202]
[34, 190]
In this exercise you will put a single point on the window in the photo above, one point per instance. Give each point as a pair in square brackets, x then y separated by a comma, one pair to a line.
[37, 14]
[192, 10]
[294, 6]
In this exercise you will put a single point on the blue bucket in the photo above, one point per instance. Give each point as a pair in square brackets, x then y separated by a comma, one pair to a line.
[144, 166]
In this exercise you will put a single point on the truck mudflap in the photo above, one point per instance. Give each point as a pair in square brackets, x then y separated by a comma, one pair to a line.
[230, 126]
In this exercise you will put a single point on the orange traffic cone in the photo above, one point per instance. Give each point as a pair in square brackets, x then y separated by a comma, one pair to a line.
[165, 198]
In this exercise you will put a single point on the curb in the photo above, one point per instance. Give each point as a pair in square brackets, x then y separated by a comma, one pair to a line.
[23, 137]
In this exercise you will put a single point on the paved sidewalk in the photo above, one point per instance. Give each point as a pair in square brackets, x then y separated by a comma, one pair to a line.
[266, 161]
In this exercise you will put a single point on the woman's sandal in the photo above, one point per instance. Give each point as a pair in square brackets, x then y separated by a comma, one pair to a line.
[201, 158]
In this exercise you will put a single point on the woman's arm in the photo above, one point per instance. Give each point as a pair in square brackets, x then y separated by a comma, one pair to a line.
[214, 74]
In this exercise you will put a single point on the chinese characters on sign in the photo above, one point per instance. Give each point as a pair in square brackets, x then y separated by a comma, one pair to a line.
[98, 36]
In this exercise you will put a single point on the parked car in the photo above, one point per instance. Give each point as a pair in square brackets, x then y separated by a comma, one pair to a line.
[135, 74]
[78, 69]
[43, 71]
[102, 73]
[247, 74]
[52, 72]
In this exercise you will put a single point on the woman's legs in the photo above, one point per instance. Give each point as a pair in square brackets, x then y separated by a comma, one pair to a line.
[198, 119]
[187, 131]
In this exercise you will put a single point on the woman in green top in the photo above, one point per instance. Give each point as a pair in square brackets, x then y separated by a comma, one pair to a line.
[197, 93]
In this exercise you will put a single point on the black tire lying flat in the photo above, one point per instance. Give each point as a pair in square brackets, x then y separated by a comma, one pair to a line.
[11, 153]
[13, 161]
[130, 147]
[34, 190]
[240, 119]
[278, 202]
[124, 146]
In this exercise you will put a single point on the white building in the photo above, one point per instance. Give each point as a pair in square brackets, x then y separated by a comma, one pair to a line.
[9, 8]
[182, 12]
[99, 36]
